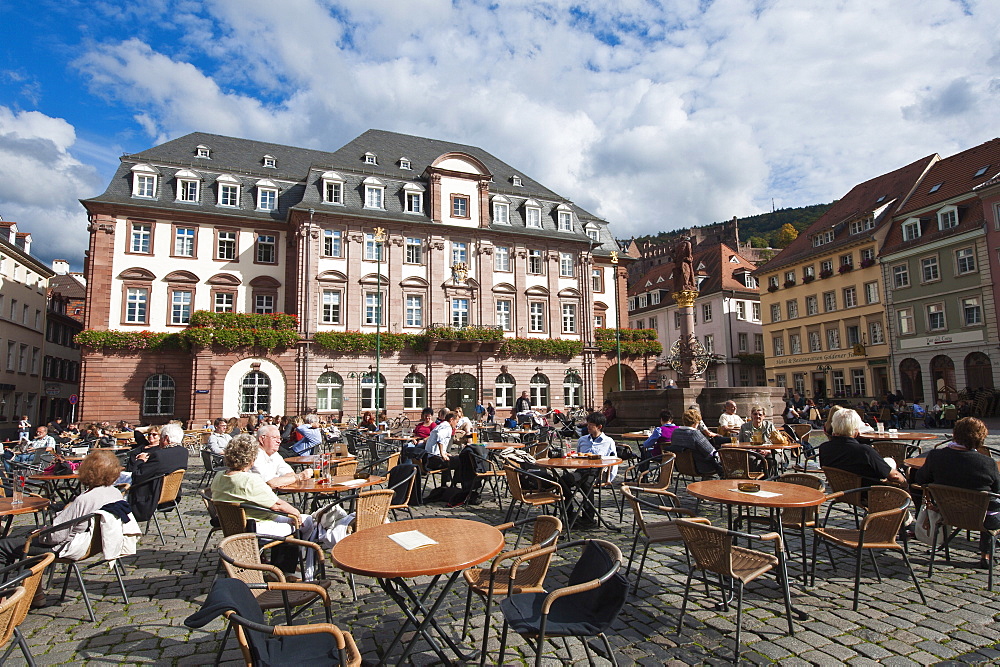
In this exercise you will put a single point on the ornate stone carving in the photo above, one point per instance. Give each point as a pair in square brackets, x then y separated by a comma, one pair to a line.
[685, 298]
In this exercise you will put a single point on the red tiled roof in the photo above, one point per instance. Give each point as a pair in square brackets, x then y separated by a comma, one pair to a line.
[956, 175]
[718, 271]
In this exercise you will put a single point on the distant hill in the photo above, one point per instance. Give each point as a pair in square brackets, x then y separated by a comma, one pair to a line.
[759, 229]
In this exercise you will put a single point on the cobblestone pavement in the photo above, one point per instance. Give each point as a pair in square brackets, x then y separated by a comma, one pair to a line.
[957, 626]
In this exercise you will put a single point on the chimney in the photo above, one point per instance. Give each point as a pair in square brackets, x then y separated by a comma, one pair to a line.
[60, 266]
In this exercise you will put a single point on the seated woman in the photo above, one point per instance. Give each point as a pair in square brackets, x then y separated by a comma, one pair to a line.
[368, 422]
[463, 425]
[688, 437]
[959, 464]
[844, 452]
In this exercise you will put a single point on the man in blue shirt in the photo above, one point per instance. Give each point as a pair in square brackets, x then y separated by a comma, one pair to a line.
[595, 442]
[312, 436]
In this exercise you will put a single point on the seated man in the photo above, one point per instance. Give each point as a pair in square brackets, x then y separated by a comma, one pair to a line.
[688, 437]
[218, 440]
[269, 464]
[595, 442]
[844, 452]
[652, 448]
[436, 445]
[43, 444]
[757, 427]
[729, 421]
[312, 436]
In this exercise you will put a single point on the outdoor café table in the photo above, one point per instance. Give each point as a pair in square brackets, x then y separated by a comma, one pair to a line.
[913, 437]
[8, 509]
[330, 486]
[583, 491]
[500, 446]
[764, 446]
[459, 544]
[66, 487]
[312, 459]
[919, 462]
[637, 435]
[774, 496]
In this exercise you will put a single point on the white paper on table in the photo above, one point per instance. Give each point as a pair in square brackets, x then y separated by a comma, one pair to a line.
[351, 482]
[762, 494]
[609, 458]
[412, 539]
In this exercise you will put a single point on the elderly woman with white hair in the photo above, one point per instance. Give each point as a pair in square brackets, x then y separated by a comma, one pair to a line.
[844, 452]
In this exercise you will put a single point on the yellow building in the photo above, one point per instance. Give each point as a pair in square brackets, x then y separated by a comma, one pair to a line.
[822, 297]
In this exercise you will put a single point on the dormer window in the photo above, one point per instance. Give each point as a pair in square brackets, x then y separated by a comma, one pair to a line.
[269, 161]
[414, 195]
[515, 181]
[823, 238]
[188, 186]
[144, 179]
[203, 151]
[333, 188]
[229, 191]
[935, 188]
[565, 218]
[862, 225]
[404, 163]
[267, 195]
[374, 193]
[501, 210]
[911, 229]
[980, 171]
[948, 218]
[594, 234]
[532, 214]
[370, 158]
[880, 199]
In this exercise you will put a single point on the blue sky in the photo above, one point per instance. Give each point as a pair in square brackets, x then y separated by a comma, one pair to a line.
[655, 115]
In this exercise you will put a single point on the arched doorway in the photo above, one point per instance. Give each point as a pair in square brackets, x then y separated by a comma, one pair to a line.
[630, 380]
[978, 371]
[461, 391]
[246, 388]
[943, 378]
[911, 380]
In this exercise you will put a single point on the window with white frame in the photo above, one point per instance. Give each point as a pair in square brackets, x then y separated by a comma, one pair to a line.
[136, 305]
[572, 391]
[329, 392]
[755, 311]
[536, 317]
[565, 218]
[267, 196]
[853, 333]
[263, 304]
[501, 258]
[414, 201]
[901, 276]
[368, 392]
[706, 312]
[566, 264]
[795, 343]
[184, 241]
[858, 382]
[203, 151]
[758, 343]
[459, 252]
[371, 158]
[501, 212]
[535, 262]
[460, 206]
[822, 238]
[741, 310]
[850, 297]
[414, 310]
[905, 318]
[504, 319]
[414, 392]
[413, 250]
[833, 339]
[226, 245]
[709, 343]
[972, 312]
[22, 358]
[180, 306]
[267, 249]
[948, 218]
[935, 317]
[532, 214]
[799, 383]
[459, 313]
[269, 161]
[373, 309]
[144, 180]
[812, 305]
[829, 302]
[331, 306]
[229, 192]
[815, 342]
[847, 260]
[188, 190]
[867, 254]
[569, 318]
[539, 390]
[780, 380]
[772, 281]
[594, 234]
[792, 307]
[516, 181]
[374, 193]
[929, 269]
[876, 333]
[809, 271]
[333, 188]
[965, 261]
[503, 390]
[911, 229]
[775, 312]
[654, 298]
[742, 342]
[224, 302]
[862, 225]
[789, 276]
[373, 249]
[779, 346]
[142, 234]
[871, 292]
[332, 240]
[839, 385]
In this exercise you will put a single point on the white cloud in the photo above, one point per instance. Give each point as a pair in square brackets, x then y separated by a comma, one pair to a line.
[655, 117]
[41, 183]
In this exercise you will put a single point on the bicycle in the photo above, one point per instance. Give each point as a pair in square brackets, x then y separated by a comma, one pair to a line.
[399, 423]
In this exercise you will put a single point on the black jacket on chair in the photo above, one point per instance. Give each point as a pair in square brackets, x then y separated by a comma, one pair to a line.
[147, 481]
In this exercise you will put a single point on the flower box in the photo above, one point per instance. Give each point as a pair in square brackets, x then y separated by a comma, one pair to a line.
[789, 283]
[846, 268]
[808, 279]
[865, 263]
[772, 288]
[826, 274]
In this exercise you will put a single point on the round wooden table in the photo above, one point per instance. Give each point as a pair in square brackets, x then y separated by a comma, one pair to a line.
[911, 436]
[583, 491]
[30, 505]
[578, 463]
[763, 445]
[331, 485]
[499, 446]
[636, 435]
[919, 462]
[460, 544]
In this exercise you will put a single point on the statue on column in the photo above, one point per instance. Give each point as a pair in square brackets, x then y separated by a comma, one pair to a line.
[684, 266]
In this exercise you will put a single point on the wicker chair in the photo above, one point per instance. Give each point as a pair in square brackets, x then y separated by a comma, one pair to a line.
[28, 574]
[847, 488]
[714, 551]
[487, 582]
[169, 494]
[371, 508]
[684, 467]
[896, 450]
[887, 507]
[801, 518]
[744, 464]
[652, 532]
[13, 599]
[548, 494]
[961, 509]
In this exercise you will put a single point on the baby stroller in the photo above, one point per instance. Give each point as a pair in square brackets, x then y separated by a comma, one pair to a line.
[565, 427]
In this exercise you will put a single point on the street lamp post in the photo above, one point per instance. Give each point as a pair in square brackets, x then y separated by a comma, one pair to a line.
[618, 317]
[380, 237]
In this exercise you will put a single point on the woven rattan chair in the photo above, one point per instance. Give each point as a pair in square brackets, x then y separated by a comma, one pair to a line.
[896, 450]
[961, 509]
[262, 644]
[744, 464]
[371, 508]
[801, 518]
[652, 532]
[847, 488]
[346, 469]
[714, 551]
[14, 598]
[27, 573]
[548, 494]
[684, 467]
[887, 506]
[169, 494]
[487, 582]
[658, 477]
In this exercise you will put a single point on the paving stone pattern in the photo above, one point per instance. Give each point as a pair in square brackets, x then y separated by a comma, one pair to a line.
[959, 625]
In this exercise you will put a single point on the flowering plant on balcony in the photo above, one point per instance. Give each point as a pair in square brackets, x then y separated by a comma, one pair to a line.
[789, 283]
[808, 278]
[845, 268]
[869, 261]
[826, 273]
[772, 288]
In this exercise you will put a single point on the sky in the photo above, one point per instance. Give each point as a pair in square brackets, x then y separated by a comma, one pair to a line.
[653, 115]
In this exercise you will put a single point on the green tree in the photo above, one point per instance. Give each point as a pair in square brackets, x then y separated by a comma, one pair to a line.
[758, 242]
[785, 235]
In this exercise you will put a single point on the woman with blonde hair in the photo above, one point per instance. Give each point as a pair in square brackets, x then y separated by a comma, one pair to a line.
[688, 437]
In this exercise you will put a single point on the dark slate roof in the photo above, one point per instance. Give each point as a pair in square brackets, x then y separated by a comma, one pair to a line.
[298, 173]
[68, 285]
[889, 190]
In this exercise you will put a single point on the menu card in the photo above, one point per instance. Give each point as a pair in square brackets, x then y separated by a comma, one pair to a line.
[352, 482]
[762, 494]
[412, 539]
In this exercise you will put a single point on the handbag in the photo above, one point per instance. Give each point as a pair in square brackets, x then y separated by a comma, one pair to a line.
[777, 438]
[927, 521]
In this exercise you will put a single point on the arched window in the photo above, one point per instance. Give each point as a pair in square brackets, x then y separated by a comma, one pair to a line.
[329, 392]
[539, 389]
[158, 395]
[978, 371]
[572, 386]
[414, 392]
[255, 393]
[368, 392]
[504, 390]
[911, 381]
